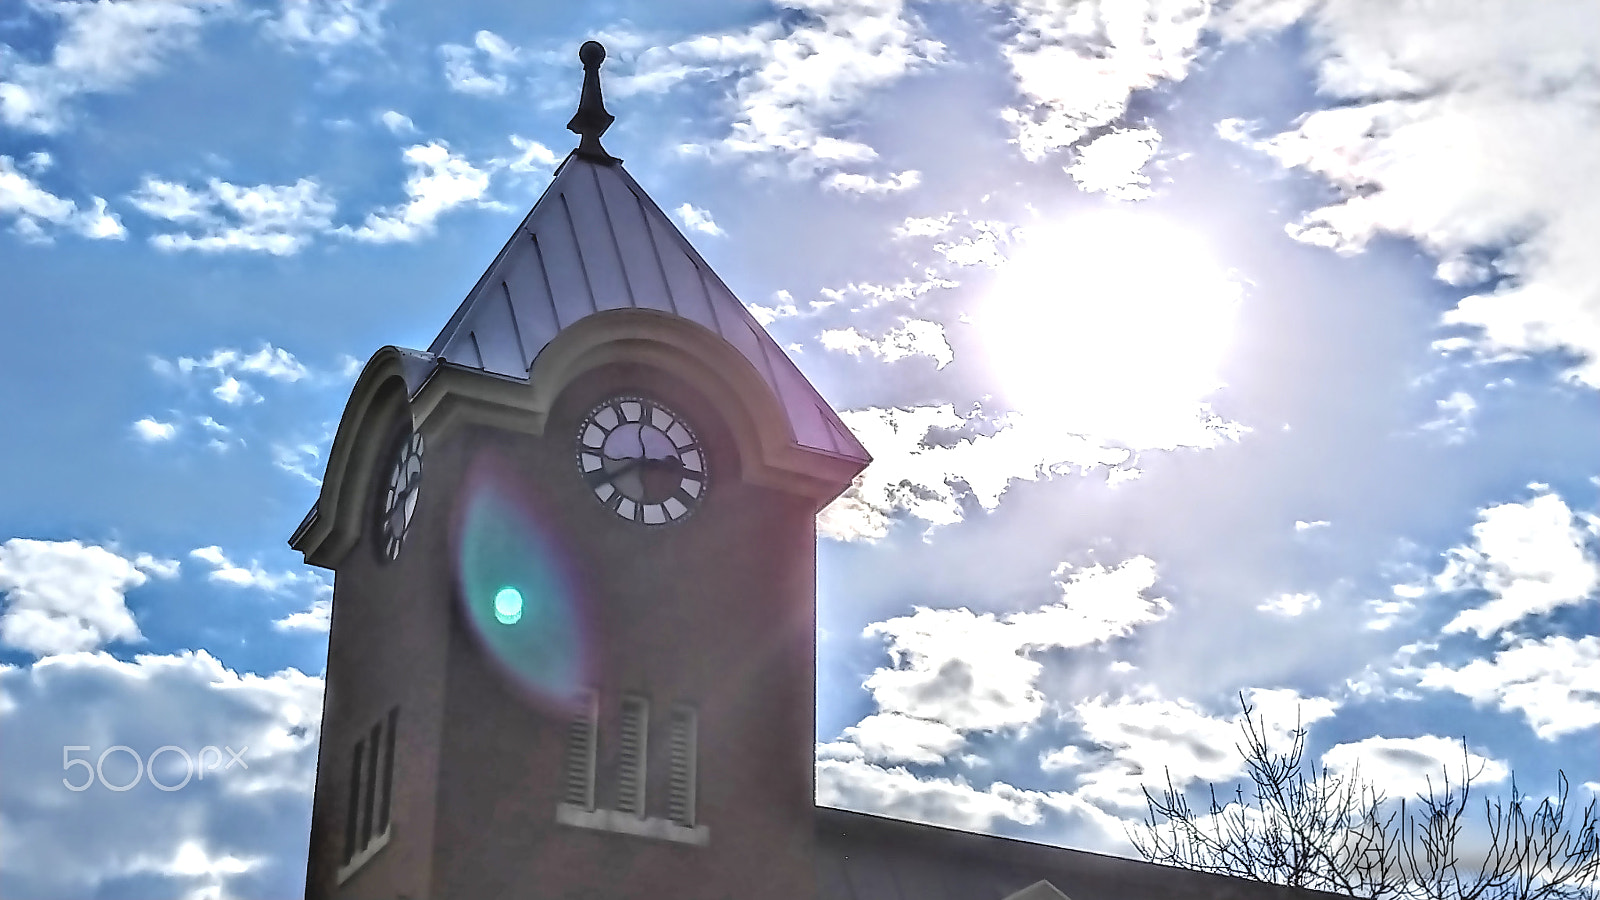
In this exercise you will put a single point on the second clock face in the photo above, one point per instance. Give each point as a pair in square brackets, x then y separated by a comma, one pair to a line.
[641, 460]
[400, 495]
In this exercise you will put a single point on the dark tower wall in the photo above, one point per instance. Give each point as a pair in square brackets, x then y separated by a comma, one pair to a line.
[716, 611]
[384, 651]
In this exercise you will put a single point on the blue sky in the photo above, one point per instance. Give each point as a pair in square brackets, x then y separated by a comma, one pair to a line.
[1202, 348]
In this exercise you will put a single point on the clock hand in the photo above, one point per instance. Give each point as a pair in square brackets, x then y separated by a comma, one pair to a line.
[602, 476]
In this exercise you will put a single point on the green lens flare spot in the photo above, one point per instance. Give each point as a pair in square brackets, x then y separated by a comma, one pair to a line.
[508, 606]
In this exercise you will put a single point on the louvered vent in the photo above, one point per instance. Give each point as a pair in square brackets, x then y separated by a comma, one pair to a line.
[579, 764]
[631, 748]
[352, 817]
[681, 783]
[371, 787]
[387, 789]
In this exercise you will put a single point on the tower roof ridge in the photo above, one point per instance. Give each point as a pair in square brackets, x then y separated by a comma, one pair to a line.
[596, 241]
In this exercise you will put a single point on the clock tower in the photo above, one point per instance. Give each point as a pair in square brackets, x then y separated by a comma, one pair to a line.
[572, 651]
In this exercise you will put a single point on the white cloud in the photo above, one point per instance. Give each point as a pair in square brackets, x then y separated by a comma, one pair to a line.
[480, 69]
[230, 367]
[696, 219]
[1291, 605]
[1301, 526]
[298, 459]
[923, 226]
[1147, 738]
[1077, 64]
[977, 672]
[982, 247]
[63, 596]
[1530, 558]
[1387, 611]
[226, 571]
[101, 47]
[37, 162]
[1113, 164]
[149, 430]
[439, 181]
[912, 475]
[315, 618]
[1554, 683]
[268, 361]
[1403, 767]
[895, 792]
[856, 183]
[794, 83]
[913, 337]
[896, 738]
[324, 24]
[532, 156]
[239, 831]
[1480, 144]
[868, 295]
[1068, 757]
[397, 123]
[1454, 419]
[223, 217]
[233, 392]
[33, 207]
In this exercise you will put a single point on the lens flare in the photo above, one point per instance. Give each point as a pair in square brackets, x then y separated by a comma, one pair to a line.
[516, 591]
[508, 606]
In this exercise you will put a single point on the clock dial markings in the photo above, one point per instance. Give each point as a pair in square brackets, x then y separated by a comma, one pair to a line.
[641, 460]
[400, 496]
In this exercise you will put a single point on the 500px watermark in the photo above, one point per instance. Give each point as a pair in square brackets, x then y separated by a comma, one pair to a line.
[194, 767]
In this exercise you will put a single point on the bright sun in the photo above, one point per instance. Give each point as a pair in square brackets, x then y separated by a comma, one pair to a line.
[1112, 325]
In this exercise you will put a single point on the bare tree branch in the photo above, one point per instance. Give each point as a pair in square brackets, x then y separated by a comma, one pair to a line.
[1304, 826]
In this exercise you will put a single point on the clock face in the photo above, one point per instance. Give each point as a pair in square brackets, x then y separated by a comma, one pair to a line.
[400, 495]
[642, 460]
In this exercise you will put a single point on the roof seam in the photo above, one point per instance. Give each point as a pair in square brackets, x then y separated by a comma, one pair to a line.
[516, 329]
[583, 264]
[766, 359]
[611, 231]
[655, 250]
[705, 290]
[453, 325]
[544, 273]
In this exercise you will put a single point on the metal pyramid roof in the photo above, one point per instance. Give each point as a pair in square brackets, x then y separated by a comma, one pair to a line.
[596, 241]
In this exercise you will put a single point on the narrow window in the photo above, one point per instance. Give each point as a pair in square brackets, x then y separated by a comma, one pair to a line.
[388, 770]
[578, 774]
[372, 784]
[352, 821]
[631, 754]
[681, 781]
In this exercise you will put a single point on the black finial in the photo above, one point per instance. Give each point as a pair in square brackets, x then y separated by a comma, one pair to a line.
[591, 120]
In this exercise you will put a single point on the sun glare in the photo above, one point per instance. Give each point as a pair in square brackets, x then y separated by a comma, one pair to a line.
[1112, 325]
